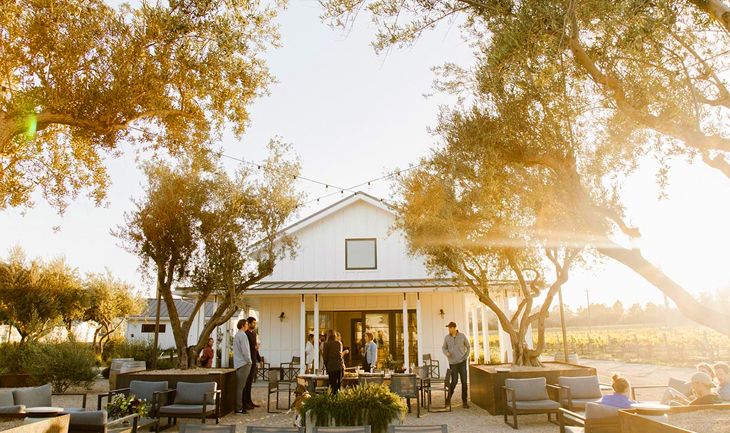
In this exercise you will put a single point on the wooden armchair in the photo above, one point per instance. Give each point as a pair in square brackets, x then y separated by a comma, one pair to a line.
[598, 418]
[527, 396]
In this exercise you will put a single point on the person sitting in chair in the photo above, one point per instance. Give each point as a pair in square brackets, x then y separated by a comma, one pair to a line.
[702, 386]
[622, 392]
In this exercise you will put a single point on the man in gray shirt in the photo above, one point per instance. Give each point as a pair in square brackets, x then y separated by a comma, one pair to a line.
[457, 348]
[241, 362]
[722, 371]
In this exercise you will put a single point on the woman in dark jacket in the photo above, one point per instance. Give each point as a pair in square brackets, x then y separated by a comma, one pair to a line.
[334, 362]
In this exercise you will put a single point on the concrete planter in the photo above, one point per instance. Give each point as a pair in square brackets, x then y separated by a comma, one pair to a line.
[224, 377]
[486, 384]
[48, 425]
[311, 421]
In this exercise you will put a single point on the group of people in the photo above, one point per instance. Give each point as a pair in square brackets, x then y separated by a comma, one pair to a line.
[245, 359]
[701, 383]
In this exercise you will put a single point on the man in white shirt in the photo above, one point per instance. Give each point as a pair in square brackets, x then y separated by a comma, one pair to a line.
[241, 362]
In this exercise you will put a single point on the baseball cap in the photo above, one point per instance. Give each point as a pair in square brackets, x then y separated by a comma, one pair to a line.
[451, 325]
[702, 378]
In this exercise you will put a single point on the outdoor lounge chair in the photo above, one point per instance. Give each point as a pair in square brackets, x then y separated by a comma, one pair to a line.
[678, 384]
[575, 392]
[406, 386]
[96, 421]
[142, 390]
[40, 396]
[186, 427]
[191, 400]
[254, 429]
[598, 418]
[7, 404]
[527, 396]
[353, 429]
[442, 428]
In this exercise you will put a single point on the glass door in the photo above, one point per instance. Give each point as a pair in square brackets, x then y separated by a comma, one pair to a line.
[379, 325]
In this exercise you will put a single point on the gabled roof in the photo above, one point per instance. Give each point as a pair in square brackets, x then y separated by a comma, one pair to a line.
[184, 309]
[329, 210]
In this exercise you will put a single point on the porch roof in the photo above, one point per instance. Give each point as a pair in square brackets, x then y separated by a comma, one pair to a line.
[360, 286]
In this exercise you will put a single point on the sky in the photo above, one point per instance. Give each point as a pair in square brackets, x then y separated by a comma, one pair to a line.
[353, 116]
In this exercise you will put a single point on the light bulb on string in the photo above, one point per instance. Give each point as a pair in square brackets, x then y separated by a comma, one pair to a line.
[368, 185]
[342, 192]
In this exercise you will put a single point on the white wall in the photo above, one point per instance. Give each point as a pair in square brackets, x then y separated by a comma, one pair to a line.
[281, 340]
[165, 340]
[321, 252]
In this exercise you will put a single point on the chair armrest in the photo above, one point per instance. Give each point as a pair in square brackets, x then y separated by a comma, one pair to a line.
[568, 418]
[83, 405]
[216, 399]
[568, 395]
[513, 394]
[134, 418]
[157, 396]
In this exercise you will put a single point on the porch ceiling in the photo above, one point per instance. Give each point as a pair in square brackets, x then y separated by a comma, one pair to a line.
[353, 286]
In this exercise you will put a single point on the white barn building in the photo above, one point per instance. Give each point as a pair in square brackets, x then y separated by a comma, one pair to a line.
[352, 273]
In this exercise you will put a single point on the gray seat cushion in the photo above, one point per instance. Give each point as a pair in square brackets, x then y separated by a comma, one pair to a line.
[144, 390]
[573, 429]
[601, 411]
[581, 402]
[546, 404]
[91, 418]
[194, 393]
[33, 397]
[185, 409]
[6, 399]
[527, 389]
[12, 409]
[582, 387]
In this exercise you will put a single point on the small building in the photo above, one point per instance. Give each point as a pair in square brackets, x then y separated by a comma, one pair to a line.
[352, 273]
[142, 326]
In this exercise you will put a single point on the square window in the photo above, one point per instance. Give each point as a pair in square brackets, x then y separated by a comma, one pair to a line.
[151, 328]
[361, 254]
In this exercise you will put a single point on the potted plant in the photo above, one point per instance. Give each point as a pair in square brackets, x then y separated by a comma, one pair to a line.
[121, 406]
[372, 405]
[391, 365]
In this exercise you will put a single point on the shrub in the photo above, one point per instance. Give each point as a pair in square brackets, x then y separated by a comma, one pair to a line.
[14, 358]
[140, 350]
[63, 365]
[347, 408]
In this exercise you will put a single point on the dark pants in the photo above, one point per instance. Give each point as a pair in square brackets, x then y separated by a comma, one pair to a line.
[247, 401]
[456, 371]
[335, 380]
[365, 367]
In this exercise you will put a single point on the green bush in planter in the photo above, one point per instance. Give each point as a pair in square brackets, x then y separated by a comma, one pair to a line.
[63, 365]
[347, 408]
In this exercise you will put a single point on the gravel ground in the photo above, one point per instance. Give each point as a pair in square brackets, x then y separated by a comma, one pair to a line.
[459, 420]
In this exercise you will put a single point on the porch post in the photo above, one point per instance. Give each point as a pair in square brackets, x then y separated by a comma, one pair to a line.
[485, 334]
[475, 321]
[216, 361]
[303, 337]
[419, 323]
[406, 364]
[316, 333]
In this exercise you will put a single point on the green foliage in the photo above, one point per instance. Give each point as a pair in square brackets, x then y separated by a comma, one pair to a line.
[348, 407]
[391, 364]
[139, 350]
[79, 77]
[122, 406]
[15, 358]
[63, 365]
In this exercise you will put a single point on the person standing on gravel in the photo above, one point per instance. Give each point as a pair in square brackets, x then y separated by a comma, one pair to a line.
[457, 348]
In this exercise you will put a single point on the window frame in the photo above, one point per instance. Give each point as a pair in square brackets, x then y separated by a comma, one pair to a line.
[163, 328]
[375, 254]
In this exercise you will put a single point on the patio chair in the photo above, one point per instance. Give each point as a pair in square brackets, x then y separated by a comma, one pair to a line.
[406, 386]
[40, 396]
[277, 387]
[527, 396]
[441, 428]
[191, 400]
[422, 373]
[433, 365]
[290, 369]
[437, 384]
[97, 422]
[598, 418]
[7, 404]
[575, 392]
[262, 371]
[678, 384]
[352, 429]
[142, 390]
[254, 429]
[186, 427]
[370, 378]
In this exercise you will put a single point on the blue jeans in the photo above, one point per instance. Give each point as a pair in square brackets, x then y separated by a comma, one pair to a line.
[456, 371]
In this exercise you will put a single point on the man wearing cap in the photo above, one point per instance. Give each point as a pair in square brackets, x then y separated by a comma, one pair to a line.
[702, 386]
[456, 348]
